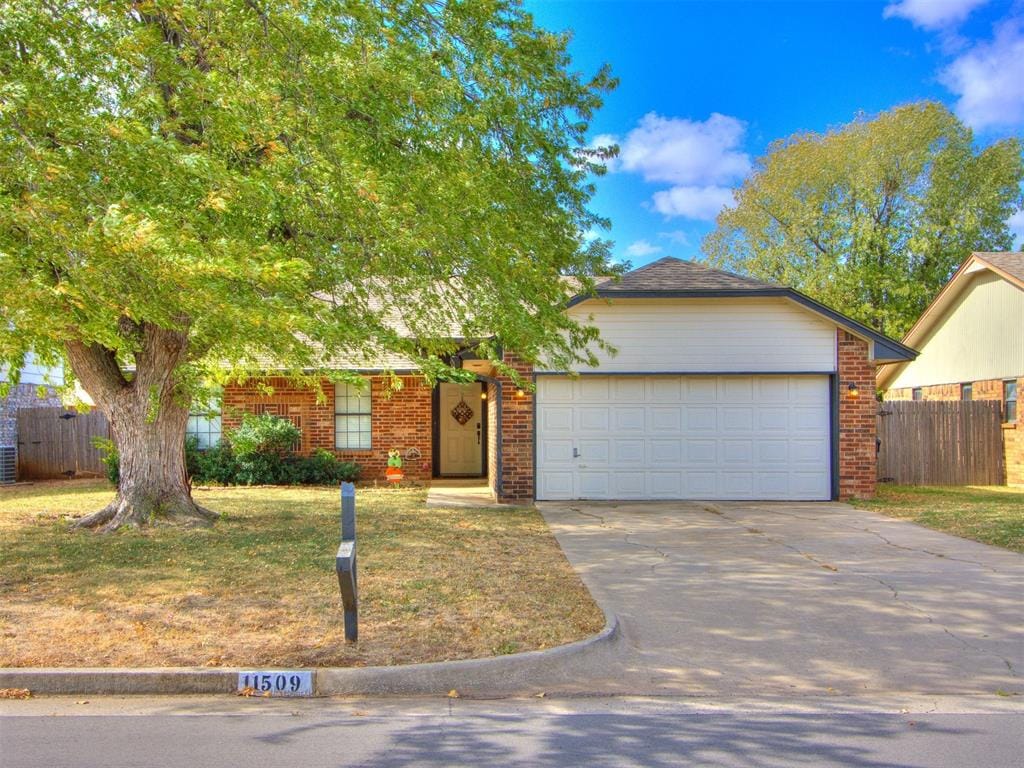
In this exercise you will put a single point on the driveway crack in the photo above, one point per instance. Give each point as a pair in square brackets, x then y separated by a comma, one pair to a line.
[626, 537]
[895, 592]
[888, 541]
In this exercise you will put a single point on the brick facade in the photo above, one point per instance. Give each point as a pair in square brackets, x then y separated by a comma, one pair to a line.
[988, 389]
[398, 419]
[857, 425]
[516, 481]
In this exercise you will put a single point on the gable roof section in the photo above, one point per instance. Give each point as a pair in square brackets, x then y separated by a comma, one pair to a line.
[672, 278]
[1009, 265]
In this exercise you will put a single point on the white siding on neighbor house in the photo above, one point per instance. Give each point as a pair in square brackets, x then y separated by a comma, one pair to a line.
[981, 336]
[710, 336]
[34, 372]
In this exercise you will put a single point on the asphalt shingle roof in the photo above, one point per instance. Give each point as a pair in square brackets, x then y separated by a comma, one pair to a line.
[676, 275]
[1012, 263]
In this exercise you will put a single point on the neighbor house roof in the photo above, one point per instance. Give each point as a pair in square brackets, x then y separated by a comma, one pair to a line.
[672, 278]
[1009, 265]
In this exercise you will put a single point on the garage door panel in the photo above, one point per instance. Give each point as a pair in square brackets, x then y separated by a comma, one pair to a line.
[665, 452]
[697, 437]
[594, 451]
[628, 451]
[593, 485]
[701, 389]
[664, 419]
[551, 451]
[665, 485]
[739, 389]
[628, 485]
[628, 389]
[592, 419]
[630, 419]
[737, 419]
[701, 419]
[701, 451]
[666, 390]
[556, 419]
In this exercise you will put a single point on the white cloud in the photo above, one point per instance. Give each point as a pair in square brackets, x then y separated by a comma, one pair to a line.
[1016, 223]
[677, 236]
[932, 14]
[704, 203]
[989, 79]
[687, 152]
[642, 248]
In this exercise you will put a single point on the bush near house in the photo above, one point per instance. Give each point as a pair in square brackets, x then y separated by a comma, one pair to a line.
[258, 452]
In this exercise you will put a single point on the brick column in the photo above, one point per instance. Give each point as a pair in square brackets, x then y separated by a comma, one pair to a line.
[857, 419]
[516, 481]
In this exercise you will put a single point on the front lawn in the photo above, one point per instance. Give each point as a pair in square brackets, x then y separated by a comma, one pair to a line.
[259, 589]
[991, 514]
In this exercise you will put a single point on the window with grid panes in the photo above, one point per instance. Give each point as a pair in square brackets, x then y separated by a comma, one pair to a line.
[352, 417]
[204, 425]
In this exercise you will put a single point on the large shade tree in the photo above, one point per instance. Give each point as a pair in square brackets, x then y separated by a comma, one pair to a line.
[193, 187]
[872, 217]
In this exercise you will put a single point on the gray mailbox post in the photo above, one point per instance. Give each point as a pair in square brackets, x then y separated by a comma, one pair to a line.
[345, 562]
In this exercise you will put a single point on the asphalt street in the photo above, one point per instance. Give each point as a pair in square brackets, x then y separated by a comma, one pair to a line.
[221, 732]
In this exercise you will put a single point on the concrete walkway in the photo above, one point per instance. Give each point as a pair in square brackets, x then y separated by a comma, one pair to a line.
[462, 492]
[766, 599]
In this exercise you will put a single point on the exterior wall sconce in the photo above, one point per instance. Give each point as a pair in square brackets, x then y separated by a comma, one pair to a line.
[520, 393]
[851, 391]
[483, 394]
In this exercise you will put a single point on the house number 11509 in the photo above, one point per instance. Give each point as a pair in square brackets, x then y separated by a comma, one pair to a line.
[277, 682]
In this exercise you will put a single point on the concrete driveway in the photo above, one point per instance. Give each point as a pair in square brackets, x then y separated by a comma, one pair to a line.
[770, 598]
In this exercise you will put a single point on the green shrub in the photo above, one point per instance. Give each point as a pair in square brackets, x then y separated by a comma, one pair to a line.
[215, 464]
[322, 468]
[110, 458]
[263, 435]
[257, 453]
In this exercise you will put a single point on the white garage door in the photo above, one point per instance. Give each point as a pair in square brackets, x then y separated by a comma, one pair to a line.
[683, 437]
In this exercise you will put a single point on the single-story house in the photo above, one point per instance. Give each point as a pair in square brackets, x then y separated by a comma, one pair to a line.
[721, 387]
[971, 343]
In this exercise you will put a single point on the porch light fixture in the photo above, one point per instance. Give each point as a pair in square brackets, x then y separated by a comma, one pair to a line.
[851, 391]
[520, 393]
[483, 394]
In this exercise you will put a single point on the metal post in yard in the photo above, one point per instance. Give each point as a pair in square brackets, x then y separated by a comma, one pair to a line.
[345, 562]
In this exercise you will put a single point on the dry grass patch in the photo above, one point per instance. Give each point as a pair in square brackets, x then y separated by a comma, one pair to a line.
[259, 589]
[992, 514]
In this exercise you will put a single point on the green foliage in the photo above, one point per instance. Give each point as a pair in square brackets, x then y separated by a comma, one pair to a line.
[874, 217]
[263, 435]
[265, 465]
[213, 465]
[109, 457]
[273, 178]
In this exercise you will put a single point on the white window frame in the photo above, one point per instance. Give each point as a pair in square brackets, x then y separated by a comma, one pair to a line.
[204, 424]
[353, 406]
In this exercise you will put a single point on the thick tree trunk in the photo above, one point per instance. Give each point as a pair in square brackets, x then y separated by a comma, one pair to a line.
[148, 417]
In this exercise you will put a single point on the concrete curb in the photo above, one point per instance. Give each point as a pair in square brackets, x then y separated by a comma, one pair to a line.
[528, 672]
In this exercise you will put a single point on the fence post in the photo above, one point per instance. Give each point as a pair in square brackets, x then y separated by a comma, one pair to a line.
[345, 562]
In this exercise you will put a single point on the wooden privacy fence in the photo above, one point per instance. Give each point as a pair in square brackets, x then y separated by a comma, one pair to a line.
[941, 442]
[54, 442]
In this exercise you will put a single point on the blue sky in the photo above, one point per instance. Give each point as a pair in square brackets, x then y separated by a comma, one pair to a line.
[706, 86]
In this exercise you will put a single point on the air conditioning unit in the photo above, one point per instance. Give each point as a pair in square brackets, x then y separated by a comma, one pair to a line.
[8, 464]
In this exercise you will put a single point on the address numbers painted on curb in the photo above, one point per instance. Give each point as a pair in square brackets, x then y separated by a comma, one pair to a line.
[276, 682]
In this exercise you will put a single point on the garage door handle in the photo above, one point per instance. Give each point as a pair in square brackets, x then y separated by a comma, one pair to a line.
[575, 453]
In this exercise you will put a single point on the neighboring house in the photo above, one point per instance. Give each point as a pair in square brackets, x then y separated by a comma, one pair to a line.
[722, 387]
[971, 343]
[36, 379]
